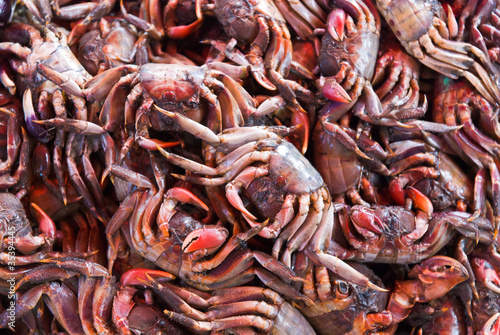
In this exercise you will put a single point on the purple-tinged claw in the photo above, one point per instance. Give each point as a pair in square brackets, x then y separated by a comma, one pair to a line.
[335, 24]
[35, 129]
[333, 91]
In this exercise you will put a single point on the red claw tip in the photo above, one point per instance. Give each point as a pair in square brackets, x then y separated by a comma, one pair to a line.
[205, 238]
[333, 91]
[335, 24]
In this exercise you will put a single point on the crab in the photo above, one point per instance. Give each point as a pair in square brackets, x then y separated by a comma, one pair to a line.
[422, 29]
[345, 308]
[256, 159]
[429, 280]
[162, 231]
[44, 11]
[36, 63]
[179, 88]
[456, 103]
[260, 26]
[348, 53]
[393, 234]
[109, 43]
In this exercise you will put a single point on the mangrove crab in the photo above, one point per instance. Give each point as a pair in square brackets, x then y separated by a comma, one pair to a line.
[256, 159]
[393, 234]
[422, 29]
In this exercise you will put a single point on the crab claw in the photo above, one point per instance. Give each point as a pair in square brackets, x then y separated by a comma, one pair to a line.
[335, 24]
[141, 276]
[437, 276]
[185, 196]
[486, 274]
[492, 326]
[205, 238]
[47, 226]
[333, 91]
[366, 222]
[420, 201]
[36, 130]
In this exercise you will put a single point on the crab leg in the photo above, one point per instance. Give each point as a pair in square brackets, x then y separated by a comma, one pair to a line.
[316, 252]
[62, 302]
[102, 303]
[225, 323]
[14, 140]
[86, 287]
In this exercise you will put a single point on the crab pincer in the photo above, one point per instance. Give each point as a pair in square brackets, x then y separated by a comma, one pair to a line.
[429, 280]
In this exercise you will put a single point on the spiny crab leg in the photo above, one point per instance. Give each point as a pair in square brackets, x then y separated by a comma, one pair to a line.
[188, 164]
[66, 83]
[193, 127]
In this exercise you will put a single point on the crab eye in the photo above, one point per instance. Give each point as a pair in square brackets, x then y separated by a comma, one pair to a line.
[341, 289]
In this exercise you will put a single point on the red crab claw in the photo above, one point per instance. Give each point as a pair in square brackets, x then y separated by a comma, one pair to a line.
[205, 238]
[47, 226]
[140, 276]
[429, 280]
[420, 201]
[186, 197]
[492, 326]
[333, 91]
[486, 274]
[367, 223]
[335, 24]
[301, 120]
[437, 276]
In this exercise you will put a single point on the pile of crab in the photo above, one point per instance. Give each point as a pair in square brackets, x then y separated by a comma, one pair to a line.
[249, 167]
